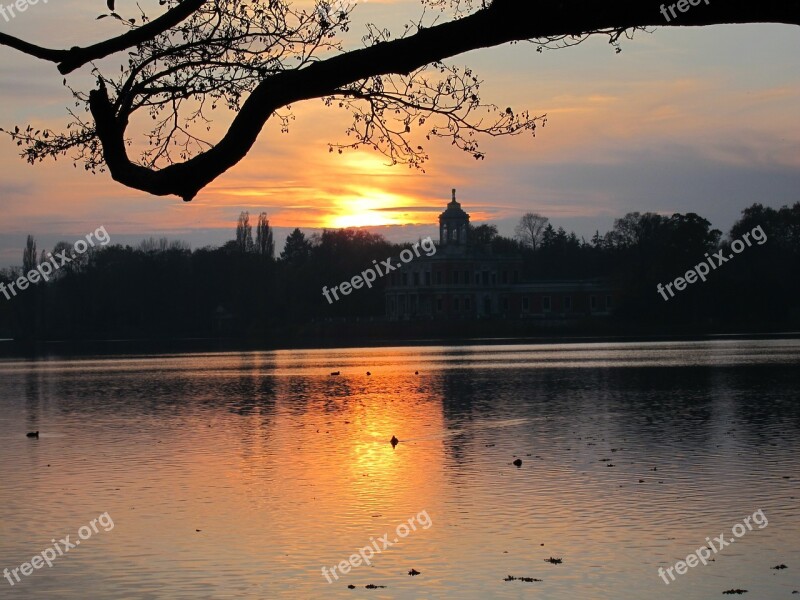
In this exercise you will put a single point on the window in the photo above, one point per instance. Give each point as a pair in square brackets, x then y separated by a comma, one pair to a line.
[427, 277]
[526, 304]
[405, 278]
[416, 278]
[608, 302]
[494, 278]
[455, 276]
[516, 277]
[593, 302]
[438, 305]
[567, 303]
[466, 277]
[467, 304]
[455, 304]
[486, 278]
[505, 304]
[438, 277]
[505, 277]
[546, 303]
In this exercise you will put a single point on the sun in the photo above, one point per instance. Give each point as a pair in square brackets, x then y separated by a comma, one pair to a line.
[361, 220]
[365, 207]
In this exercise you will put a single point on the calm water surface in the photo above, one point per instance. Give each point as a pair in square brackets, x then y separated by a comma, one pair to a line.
[632, 454]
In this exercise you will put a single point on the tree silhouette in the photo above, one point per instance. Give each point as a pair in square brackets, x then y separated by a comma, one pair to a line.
[257, 59]
[29, 260]
[265, 243]
[244, 233]
[482, 234]
[297, 248]
[530, 229]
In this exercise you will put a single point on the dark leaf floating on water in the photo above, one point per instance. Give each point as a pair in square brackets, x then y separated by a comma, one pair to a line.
[736, 591]
[517, 463]
[413, 572]
[372, 586]
[780, 567]
[554, 561]
[351, 587]
[525, 579]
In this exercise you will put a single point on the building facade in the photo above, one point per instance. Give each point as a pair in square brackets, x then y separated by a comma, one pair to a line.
[463, 280]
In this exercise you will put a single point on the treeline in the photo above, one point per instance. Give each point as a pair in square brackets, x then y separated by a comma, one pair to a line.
[161, 289]
[756, 289]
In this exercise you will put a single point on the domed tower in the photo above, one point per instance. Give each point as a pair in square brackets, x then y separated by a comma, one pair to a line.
[453, 225]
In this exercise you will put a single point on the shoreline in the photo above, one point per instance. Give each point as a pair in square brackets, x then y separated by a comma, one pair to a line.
[14, 349]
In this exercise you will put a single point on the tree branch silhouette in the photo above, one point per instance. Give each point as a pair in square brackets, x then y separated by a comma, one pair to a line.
[259, 59]
[76, 57]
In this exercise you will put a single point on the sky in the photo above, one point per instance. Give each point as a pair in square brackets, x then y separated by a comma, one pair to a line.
[683, 120]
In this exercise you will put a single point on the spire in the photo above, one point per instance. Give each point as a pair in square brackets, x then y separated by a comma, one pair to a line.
[454, 194]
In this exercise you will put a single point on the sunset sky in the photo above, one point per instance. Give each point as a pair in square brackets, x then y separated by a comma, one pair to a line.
[702, 120]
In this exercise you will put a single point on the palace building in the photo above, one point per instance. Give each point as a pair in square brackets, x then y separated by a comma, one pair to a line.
[463, 280]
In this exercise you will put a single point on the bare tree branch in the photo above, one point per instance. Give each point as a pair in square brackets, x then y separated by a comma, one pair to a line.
[261, 58]
[76, 57]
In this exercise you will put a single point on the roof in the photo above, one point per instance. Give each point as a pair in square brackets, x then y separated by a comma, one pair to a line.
[454, 211]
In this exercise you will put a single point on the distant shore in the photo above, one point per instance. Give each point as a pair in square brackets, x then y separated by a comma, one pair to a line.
[10, 348]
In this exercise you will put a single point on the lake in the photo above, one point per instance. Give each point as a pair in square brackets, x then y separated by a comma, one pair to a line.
[243, 475]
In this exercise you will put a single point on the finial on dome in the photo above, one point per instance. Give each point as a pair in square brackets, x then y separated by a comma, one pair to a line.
[454, 194]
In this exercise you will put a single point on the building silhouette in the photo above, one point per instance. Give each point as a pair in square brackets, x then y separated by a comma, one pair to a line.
[465, 280]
